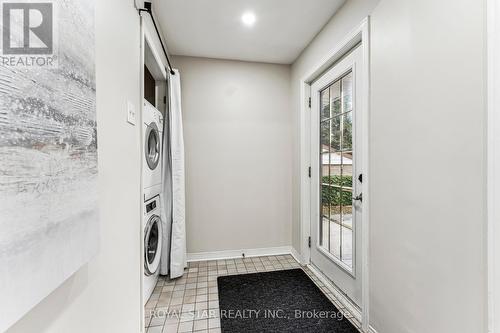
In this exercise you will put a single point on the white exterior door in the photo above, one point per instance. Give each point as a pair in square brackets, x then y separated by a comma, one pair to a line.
[336, 174]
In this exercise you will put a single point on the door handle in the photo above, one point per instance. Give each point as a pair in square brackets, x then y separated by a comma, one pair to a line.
[359, 197]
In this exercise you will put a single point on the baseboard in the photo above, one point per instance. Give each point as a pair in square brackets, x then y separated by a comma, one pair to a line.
[296, 255]
[233, 254]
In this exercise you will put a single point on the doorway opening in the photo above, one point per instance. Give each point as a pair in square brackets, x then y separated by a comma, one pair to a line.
[334, 184]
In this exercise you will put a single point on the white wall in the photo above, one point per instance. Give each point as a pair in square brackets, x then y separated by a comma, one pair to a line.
[428, 244]
[494, 163]
[104, 296]
[428, 239]
[237, 130]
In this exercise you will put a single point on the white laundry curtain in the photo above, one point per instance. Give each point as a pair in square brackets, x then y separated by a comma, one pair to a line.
[166, 199]
[174, 257]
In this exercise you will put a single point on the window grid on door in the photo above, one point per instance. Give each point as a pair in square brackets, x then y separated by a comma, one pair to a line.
[336, 169]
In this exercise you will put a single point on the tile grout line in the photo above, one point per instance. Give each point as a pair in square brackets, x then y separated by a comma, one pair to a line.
[193, 293]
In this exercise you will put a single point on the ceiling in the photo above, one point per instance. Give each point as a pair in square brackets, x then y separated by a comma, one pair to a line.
[213, 28]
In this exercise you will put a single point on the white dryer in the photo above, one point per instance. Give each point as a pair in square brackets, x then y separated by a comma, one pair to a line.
[152, 245]
[152, 161]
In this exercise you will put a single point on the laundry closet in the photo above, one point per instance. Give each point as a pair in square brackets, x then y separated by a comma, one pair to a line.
[154, 109]
[156, 192]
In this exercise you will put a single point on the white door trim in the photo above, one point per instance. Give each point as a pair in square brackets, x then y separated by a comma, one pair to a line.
[360, 34]
[493, 164]
[141, 189]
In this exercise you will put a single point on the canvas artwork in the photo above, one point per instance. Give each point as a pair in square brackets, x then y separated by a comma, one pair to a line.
[48, 149]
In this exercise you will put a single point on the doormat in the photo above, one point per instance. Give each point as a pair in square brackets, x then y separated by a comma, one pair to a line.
[278, 301]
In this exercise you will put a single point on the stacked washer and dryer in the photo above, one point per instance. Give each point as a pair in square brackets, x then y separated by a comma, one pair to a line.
[152, 182]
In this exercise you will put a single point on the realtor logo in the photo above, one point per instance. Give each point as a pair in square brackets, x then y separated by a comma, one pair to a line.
[27, 34]
[27, 28]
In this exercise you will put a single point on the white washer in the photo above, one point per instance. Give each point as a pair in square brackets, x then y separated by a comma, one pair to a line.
[152, 245]
[152, 161]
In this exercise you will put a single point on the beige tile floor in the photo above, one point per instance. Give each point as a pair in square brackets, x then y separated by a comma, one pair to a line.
[191, 303]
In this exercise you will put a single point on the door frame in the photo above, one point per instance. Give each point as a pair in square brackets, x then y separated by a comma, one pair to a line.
[359, 35]
[493, 164]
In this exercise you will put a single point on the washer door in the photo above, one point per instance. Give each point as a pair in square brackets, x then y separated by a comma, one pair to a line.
[152, 245]
[152, 146]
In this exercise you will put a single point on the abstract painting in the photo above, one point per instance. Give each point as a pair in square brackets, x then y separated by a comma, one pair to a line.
[48, 149]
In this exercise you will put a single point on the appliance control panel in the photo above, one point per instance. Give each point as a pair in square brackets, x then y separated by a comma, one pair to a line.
[152, 204]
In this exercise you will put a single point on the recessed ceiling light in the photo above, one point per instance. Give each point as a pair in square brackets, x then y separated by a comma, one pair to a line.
[248, 19]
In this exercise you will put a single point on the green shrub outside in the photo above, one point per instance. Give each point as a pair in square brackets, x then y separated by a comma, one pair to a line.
[333, 195]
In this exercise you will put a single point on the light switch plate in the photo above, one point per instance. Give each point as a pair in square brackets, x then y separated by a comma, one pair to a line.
[131, 116]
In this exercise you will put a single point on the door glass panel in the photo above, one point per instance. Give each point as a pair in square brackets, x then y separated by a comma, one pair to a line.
[325, 104]
[331, 171]
[336, 133]
[335, 98]
[336, 227]
[347, 92]
[326, 193]
[347, 131]
[331, 221]
[347, 231]
[347, 169]
[325, 136]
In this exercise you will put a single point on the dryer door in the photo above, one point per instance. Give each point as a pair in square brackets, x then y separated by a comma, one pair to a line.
[152, 146]
[152, 245]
